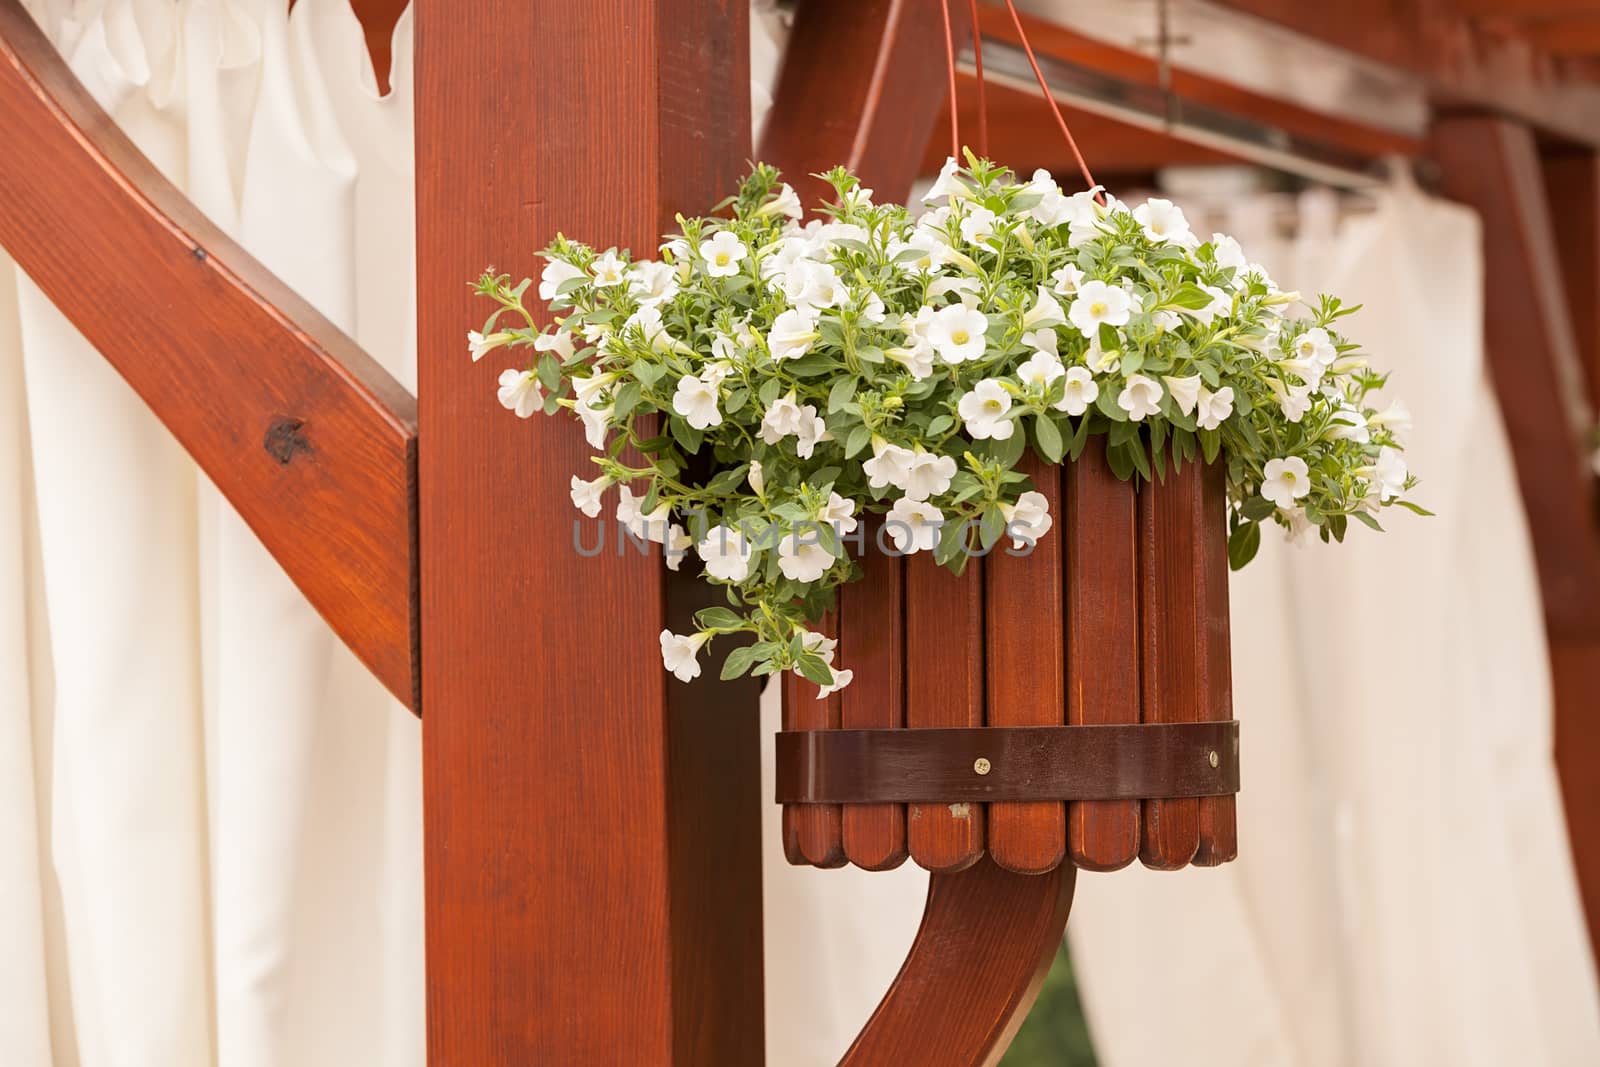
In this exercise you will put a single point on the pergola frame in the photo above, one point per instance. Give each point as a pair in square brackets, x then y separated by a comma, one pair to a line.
[592, 834]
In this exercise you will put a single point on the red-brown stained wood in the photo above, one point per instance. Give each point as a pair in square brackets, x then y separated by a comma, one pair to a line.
[1169, 514]
[592, 830]
[308, 438]
[872, 644]
[812, 833]
[861, 83]
[1100, 540]
[944, 687]
[1534, 360]
[987, 939]
[1219, 823]
[1025, 671]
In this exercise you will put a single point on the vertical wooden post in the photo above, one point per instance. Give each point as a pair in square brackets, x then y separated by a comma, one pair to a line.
[592, 827]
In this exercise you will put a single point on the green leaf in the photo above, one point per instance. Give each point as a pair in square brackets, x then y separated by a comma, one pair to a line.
[858, 440]
[718, 619]
[1243, 544]
[1367, 520]
[1048, 437]
[1189, 296]
[1257, 508]
[740, 660]
[627, 400]
[550, 372]
[1414, 508]
[815, 669]
[843, 391]
[648, 373]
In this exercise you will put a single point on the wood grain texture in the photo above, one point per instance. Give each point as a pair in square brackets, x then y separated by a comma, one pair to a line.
[944, 687]
[307, 437]
[1535, 362]
[1099, 539]
[1025, 670]
[1572, 190]
[1219, 821]
[812, 833]
[593, 882]
[861, 83]
[872, 643]
[987, 939]
[1169, 619]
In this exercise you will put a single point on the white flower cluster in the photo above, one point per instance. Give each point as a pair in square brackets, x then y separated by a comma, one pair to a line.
[767, 383]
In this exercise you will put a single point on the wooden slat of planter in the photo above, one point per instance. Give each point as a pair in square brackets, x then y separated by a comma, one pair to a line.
[872, 643]
[1100, 540]
[305, 434]
[1170, 619]
[944, 687]
[1025, 671]
[1219, 823]
[812, 833]
[592, 826]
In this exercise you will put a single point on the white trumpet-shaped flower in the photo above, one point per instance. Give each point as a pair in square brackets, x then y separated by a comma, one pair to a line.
[1078, 392]
[1284, 481]
[696, 400]
[913, 526]
[1140, 397]
[983, 411]
[680, 653]
[1099, 304]
[520, 392]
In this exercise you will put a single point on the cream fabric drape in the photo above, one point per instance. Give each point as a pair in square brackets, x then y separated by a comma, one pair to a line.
[1404, 896]
[209, 813]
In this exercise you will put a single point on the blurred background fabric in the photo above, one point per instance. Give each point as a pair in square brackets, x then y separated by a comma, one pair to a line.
[210, 831]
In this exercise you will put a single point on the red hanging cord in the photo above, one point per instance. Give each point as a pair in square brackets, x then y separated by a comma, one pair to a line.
[1044, 86]
[983, 104]
[950, 66]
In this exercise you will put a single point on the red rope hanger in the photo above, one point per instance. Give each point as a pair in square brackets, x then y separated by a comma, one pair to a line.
[983, 107]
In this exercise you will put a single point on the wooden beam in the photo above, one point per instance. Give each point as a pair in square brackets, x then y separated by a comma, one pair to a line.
[592, 826]
[307, 437]
[1571, 35]
[1493, 166]
[1572, 187]
[860, 85]
[1524, 9]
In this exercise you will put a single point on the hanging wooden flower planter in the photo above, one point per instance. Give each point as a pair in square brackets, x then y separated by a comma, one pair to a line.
[1070, 704]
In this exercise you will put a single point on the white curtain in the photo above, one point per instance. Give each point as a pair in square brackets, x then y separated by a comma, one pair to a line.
[1404, 895]
[209, 814]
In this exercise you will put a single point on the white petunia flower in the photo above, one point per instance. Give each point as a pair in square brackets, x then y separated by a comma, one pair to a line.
[1079, 392]
[965, 288]
[958, 333]
[1316, 345]
[927, 475]
[841, 678]
[802, 558]
[810, 285]
[596, 422]
[609, 269]
[820, 645]
[1285, 480]
[1221, 304]
[1053, 209]
[1293, 400]
[1100, 360]
[652, 526]
[839, 513]
[1042, 340]
[1140, 396]
[680, 654]
[1213, 409]
[1396, 418]
[1028, 519]
[696, 400]
[812, 431]
[520, 392]
[756, 478]
[1046, 311]
[1391, 473]
[725, 553]
[913, 526]
[652, 283]
[723, 253]
[555, 274]
[557, 341]
[1099, 303]
[1167, 320]
[1039, 370]
[983, 410]
[1348, 424]
[648, 320]
[1228, 252]
[1162, 220]
[786, 203]
[977, 225]
[947, 184]
[480, 346]
[1066, 280]
[782, 419]
[676, 546]
[792, 335]
[587, 497]
[889, 465]
[1186, 391]
[917, 361]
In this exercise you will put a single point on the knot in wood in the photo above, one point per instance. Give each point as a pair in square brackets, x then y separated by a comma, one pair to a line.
[284, 439]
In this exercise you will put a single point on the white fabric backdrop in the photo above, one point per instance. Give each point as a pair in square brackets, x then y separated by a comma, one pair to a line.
[1404, 894]
[209, 814]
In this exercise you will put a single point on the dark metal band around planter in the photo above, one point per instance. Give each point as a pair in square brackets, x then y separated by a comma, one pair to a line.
[1006, 763]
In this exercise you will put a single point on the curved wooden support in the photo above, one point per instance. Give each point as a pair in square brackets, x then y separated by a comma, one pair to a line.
[987, 938]
[311, 440]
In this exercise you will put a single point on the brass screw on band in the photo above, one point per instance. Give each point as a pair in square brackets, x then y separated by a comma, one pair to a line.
[1214, 759]
[981, 765]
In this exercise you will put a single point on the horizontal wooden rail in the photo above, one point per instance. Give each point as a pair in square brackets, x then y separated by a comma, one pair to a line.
[301, 430]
